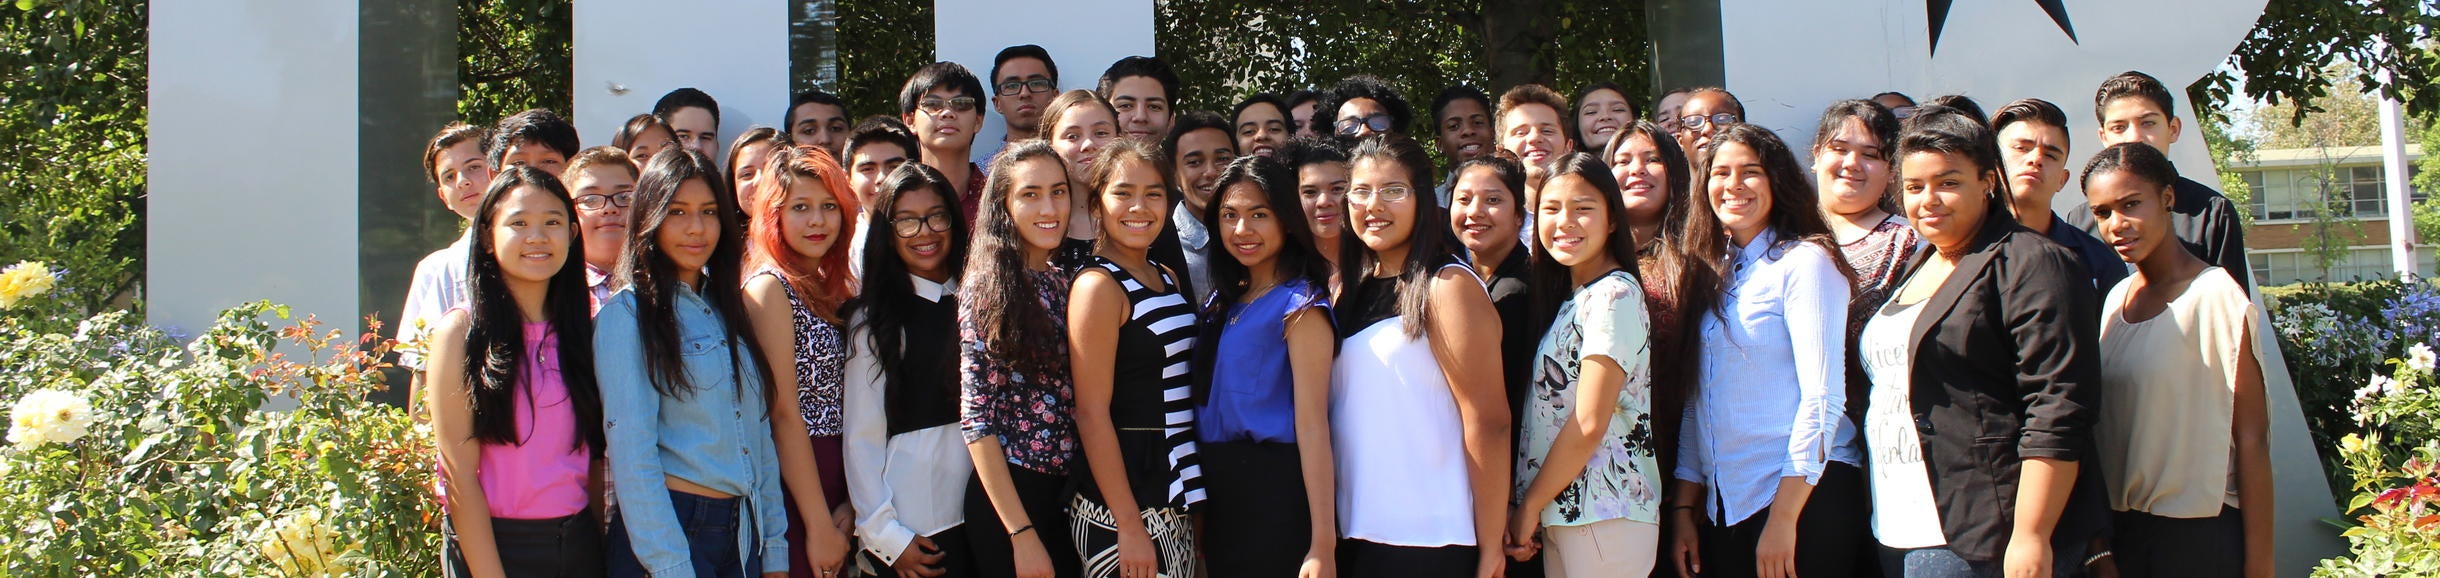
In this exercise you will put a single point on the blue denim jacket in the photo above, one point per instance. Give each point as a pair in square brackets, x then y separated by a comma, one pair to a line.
[718, 436]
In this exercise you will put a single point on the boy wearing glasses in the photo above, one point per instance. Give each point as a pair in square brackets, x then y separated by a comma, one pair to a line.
[603, 181]
[1705, 111]
[1362, 106]
[1144, 91]
[941, 104]
[1023, 80]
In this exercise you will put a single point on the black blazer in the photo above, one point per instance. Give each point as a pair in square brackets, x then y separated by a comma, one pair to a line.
[2006, 364]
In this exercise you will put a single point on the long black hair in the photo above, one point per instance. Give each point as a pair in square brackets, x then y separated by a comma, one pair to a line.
[649, 273]
[1552, 283]
[1878, 122]
[495, 332]
[881, 312]
[997, 295]
[1298, 259]
[1681, 178]
[1795, 217]
[1427, 248]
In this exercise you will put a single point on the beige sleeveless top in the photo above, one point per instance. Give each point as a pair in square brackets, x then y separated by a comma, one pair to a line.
[2168, 395]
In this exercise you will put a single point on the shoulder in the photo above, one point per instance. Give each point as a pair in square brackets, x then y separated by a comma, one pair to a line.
[1616, 286]
[1094, 286]
[617, 312]
[448, 332]
[1805, 257]
[2215, 288]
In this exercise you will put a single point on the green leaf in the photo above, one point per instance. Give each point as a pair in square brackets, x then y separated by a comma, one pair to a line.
[28, 5]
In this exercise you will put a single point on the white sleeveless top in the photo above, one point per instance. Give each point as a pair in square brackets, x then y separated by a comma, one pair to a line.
[1402, 477]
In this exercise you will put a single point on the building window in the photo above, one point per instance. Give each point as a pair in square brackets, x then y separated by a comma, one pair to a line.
[2364, 191]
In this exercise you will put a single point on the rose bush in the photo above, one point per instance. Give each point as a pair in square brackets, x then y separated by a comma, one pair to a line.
[136, 454]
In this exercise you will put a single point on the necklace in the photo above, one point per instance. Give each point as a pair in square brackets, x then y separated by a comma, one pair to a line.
[1250, 298]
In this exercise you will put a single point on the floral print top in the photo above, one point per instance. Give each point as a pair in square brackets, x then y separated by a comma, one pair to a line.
[1622, 479]
[1033, 414]
[821, 362]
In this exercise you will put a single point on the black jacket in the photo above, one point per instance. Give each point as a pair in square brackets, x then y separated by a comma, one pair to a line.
[2006, 364]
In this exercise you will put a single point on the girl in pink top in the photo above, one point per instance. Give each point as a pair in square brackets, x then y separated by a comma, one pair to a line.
[513, 401]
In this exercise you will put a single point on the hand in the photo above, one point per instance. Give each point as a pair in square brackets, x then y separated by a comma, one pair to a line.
[1775, 556]
[825, 551]
[1685, 549]
[1490, 565]
[920, 560]
[1137, 558]
[1522, 525]
[1320, 562]
[2027, 557]
[1032, 560]
[843, 518]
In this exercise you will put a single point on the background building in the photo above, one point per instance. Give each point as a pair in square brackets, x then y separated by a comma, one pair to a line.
[2321, 214]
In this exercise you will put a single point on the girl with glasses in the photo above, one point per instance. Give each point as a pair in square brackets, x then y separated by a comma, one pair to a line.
[1417, 403]
[514, 403]
[907, 468]
[796, 242]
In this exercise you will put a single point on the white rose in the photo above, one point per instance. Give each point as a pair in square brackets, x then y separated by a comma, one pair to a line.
[49, 416]
[2419, 357]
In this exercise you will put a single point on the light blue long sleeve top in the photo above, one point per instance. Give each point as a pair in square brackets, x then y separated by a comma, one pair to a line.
[1773, 391]
[717, 436]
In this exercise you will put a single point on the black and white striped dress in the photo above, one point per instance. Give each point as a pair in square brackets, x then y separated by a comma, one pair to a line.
[1151, 405]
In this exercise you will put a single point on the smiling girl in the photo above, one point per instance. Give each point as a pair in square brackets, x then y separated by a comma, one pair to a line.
[1018, 402]
[801, 277]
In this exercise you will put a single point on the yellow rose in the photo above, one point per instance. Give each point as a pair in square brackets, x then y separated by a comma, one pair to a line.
[23, 280]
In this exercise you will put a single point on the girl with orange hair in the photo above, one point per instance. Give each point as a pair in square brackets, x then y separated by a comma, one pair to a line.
[797, 249]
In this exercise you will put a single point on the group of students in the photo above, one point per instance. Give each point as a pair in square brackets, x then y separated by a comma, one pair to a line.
[1135, 342]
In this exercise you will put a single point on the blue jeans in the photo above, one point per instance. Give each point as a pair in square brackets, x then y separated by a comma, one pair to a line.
[711, 526]
[2067, 560]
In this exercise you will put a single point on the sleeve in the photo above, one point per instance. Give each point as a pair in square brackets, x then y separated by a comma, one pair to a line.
[866, 418]
[631, 411]
[2053, 320]
[973, 400]
[1814, 299]
[1617, 326]
[1691, 457]
[769, 502]
[417, 315]
[2230, 245]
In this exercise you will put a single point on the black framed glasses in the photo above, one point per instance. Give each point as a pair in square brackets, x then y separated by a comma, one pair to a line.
[934, 106]
[1033, 85]
[908, 227]
[596, 202]
[1698, 122]
[1378, 122]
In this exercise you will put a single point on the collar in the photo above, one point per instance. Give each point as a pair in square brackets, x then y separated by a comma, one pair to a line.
[929, 290]
[1753, 251]
[595, 276]
[1190, 229]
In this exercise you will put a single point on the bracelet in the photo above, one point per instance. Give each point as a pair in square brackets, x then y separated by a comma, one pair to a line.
[2096, 557]
[1027, 528]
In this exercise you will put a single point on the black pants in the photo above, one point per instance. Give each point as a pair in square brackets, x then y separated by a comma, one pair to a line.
[2146, 545]
[1361, 559]
[956, 550]
[1044, 497]
[1255, 515]
[1834, 529]
[569, 547]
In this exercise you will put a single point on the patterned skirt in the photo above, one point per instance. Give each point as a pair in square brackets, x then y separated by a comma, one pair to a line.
[1173, 539]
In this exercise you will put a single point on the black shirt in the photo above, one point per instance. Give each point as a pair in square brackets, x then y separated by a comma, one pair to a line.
[2203, 218]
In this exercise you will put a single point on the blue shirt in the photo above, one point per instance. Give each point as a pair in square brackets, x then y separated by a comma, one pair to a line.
[718, 436]
[1253, 391]
[1773, 392]
[2101, 263]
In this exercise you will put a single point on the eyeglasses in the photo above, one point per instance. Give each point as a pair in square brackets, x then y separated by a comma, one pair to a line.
[1378, 122]
[597, 202]
[1388, 194]
[1697, 122]
[934, 106]
[1903, 112]
[1036, 84]
[908, 227]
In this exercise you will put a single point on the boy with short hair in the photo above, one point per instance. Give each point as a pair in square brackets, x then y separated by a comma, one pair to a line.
[1461, 123]
[602, 182]
[817, 118]
[879, 145]
[2135, 107]
[1144, 91]
[537, 138]
[1023, 80]
[456, 162]
[941, 103]
[2033, 147]
[693, 118]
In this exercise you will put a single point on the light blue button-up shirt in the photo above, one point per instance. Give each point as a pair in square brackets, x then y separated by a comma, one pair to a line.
[718, 436]
[1774, 384]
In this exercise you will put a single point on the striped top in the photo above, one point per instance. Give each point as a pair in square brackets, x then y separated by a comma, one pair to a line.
[1151, 401]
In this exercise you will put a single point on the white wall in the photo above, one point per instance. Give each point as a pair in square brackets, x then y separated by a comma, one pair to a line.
[971, 32]
[252, 181]
[630, 52]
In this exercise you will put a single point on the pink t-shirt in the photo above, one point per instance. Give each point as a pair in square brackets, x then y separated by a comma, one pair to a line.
[544, 477]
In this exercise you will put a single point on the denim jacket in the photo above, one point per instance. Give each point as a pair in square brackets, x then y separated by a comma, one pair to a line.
[718, 436]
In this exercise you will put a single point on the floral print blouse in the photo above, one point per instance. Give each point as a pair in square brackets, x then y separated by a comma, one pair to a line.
[1623, 479]
[1032, 413]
